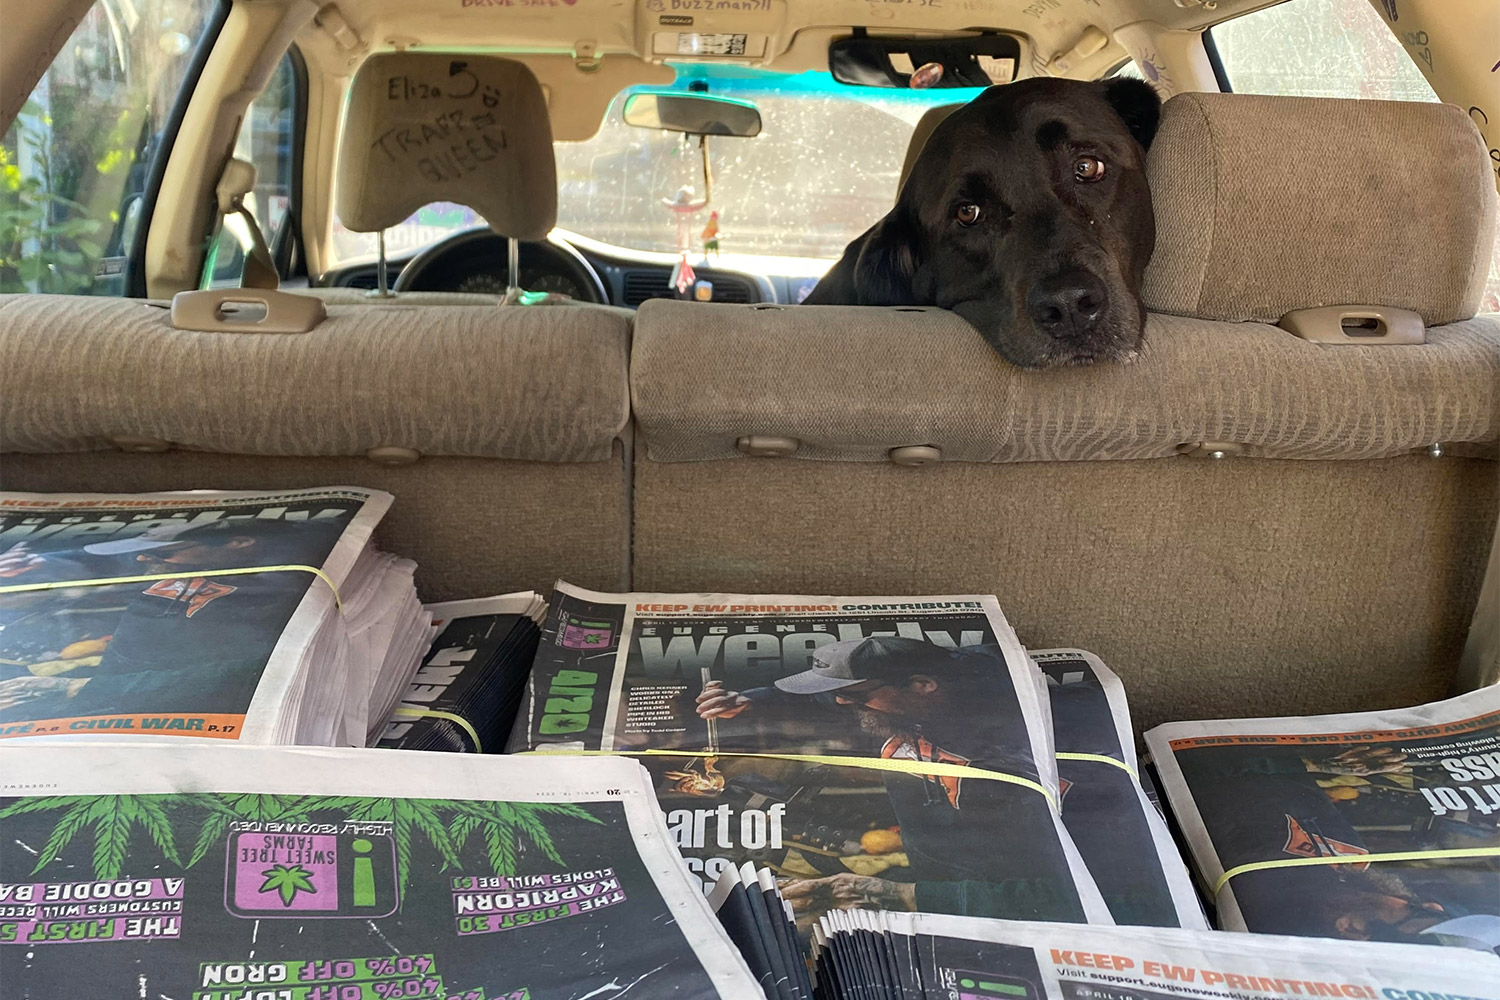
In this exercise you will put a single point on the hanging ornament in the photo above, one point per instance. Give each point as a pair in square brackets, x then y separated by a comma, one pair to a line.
[710, 236]
[683, 275]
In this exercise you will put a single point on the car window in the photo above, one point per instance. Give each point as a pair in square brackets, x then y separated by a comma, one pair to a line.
[266, 139]
[823, 170]
[1329, 48]
[73, 164]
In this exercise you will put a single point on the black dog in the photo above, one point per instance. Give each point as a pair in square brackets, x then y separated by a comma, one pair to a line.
[1027, 213]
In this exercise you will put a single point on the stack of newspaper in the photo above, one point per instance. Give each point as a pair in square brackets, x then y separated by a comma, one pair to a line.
[263, 617]
[465, 694]
[222, 873]
[921, 956]
[1372, 826]
[1123, 838]
[875, 753]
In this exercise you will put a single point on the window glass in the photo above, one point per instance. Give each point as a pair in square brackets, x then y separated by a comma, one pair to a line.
[1318, 48]
[823, 170]
[73, 164]
[1328, 48]
[266, 139]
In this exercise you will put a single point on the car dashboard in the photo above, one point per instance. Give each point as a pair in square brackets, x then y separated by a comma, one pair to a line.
[474, 261]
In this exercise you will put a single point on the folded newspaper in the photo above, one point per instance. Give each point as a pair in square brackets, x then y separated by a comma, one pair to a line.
[1377, 825]
[1123, 838]
[465, 695]
[921, 956]
[264, 617]
[216, 872]
[880, 752]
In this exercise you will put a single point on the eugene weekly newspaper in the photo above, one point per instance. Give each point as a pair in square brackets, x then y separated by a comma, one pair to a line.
[1373, 826]
[884, 752]
[180, 648]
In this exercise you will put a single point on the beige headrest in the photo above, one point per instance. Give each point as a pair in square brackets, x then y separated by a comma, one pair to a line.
[424, 127]
[930, 120]
[1269, 204]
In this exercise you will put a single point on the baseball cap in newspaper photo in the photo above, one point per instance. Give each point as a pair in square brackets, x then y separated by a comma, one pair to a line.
[152, 538]
[847, 662]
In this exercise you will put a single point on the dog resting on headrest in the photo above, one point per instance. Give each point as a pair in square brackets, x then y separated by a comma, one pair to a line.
[1027, 213]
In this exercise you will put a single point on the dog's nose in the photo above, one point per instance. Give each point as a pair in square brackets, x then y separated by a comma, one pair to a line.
[1067, 304]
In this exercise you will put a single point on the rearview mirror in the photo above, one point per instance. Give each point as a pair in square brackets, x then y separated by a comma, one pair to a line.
[924, 62]
[694, 114]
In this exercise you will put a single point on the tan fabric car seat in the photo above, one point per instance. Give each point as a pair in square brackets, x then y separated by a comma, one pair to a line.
[500, 431]
[424, 127]
[1240, 522]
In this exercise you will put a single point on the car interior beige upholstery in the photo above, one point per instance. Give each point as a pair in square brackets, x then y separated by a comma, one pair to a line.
[426, 126]
[484, 422]
[1374, 202]
[434, 127]
[1237, 521]
[930, 120]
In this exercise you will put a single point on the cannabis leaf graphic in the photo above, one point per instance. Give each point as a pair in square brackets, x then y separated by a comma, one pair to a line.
[114, 819]
[502, 823]
[224, 809]
[287, 880]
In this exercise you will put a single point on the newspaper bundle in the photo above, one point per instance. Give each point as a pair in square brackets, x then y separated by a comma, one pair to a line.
[218, 872]
[1121, 835]
[465, 694]
[873, 752]
[921, 956]
[263, 617]
[1377, 825]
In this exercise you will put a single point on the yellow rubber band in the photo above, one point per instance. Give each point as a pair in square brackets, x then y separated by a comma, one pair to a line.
[1355, 859]
[105, 581]
[407, 712]
[913, 767]
[1099, 758]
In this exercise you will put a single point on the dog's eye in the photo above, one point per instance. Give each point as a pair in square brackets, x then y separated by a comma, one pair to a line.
[1088, 169]
[967, 214]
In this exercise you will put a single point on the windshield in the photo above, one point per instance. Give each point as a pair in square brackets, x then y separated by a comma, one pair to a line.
[823, 169]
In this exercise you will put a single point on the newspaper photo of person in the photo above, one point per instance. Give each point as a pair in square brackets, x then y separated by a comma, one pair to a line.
[209, 614]
[182, 644]
[871, 752]
[1407, 801]
[915, 699]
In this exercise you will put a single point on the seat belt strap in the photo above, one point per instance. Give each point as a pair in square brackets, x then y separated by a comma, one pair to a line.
[235, 184]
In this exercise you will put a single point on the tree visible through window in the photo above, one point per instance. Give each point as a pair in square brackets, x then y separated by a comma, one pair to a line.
[73, 164]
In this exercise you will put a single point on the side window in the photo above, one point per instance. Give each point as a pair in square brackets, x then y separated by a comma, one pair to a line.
[267, 139]
[1328, 48]
[74, 163]
[1318, 48]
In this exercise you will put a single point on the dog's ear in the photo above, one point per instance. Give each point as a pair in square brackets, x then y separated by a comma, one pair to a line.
[886, 262]
[1138, 106]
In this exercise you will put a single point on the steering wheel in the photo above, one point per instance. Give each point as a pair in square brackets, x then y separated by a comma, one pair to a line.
[474, 260]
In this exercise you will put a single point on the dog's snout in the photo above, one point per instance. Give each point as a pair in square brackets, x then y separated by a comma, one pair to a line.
[1068, 304]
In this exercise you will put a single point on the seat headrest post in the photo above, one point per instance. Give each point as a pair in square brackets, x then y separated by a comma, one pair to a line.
[512, 267]
[382, 270]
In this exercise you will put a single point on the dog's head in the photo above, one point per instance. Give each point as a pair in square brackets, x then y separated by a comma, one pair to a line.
[1027, 213]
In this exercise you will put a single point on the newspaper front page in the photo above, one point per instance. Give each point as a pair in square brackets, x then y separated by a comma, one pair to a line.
[874, 752]
[217, 872]
[916, 956]
[1407, 801]
[1123, 838]
[189, 651]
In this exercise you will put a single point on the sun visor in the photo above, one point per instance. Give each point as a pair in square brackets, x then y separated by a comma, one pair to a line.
[424, 127]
